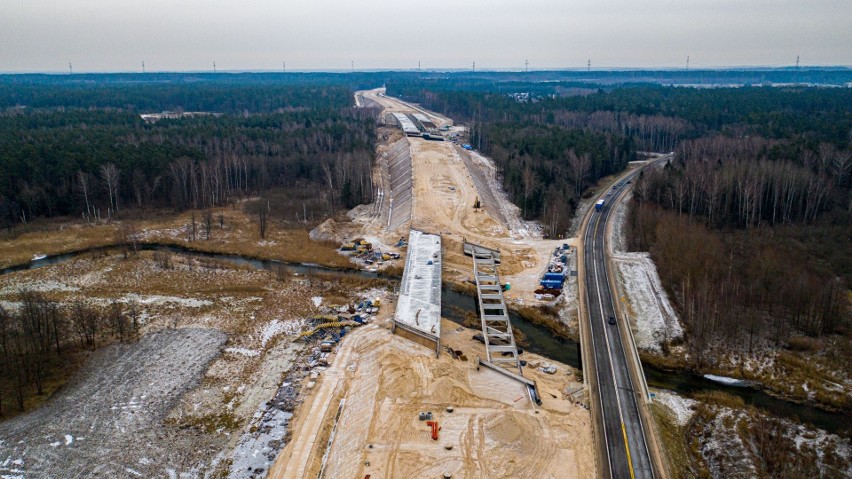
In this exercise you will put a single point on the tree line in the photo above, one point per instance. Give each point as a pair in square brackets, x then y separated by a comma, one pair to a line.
[235, 97]
[814, 114]
[37, 338]
[749, 182]
[95, 163]
[751, 237]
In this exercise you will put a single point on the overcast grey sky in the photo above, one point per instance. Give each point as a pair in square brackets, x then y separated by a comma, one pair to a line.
[117, 35]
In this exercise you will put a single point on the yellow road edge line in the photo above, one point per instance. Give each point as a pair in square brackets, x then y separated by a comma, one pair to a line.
[627, 447]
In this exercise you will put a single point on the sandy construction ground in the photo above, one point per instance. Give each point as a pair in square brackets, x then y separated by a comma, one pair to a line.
[380, 382]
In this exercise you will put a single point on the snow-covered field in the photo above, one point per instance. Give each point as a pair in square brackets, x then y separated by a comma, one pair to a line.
[654, 319]
[723, 450]
[109, 419]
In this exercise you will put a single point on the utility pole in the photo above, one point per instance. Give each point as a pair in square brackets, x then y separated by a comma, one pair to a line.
[687, 62]
[70, 70]
[526, 66]
[353, 66]
[143, 66]
[214, 66]
[418, 65]
[589, 65]
[284, 67]
[797, 62]
[474, 65]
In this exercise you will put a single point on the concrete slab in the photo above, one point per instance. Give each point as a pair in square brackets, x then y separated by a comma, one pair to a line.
[406, 124]
[419, 304]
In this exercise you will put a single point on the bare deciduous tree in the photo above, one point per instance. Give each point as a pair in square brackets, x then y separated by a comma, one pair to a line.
[208, 223]
[109, 175]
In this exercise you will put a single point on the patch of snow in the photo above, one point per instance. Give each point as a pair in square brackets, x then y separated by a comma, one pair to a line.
[726, 380]
[39, 286]
[258, 450]
[68, 439]
[317, 301]
[680, 406]
[276, 327]
[157, 299]
[655, 319]
[243, 351]
[723, 449]
[91, 278]
[11, 305]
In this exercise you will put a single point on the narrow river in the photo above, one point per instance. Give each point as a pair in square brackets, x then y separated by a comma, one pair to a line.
[540, 339]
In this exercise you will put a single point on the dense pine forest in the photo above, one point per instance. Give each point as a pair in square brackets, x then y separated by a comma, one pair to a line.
[84, 150]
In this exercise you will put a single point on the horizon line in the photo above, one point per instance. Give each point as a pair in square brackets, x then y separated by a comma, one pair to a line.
[600, 69]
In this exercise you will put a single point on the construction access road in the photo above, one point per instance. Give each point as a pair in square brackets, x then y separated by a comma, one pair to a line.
[618, 394]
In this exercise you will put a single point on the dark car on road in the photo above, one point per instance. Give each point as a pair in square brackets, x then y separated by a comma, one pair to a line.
[612, 320]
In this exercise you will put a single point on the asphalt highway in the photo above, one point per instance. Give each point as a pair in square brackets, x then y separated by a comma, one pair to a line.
[624, 438]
